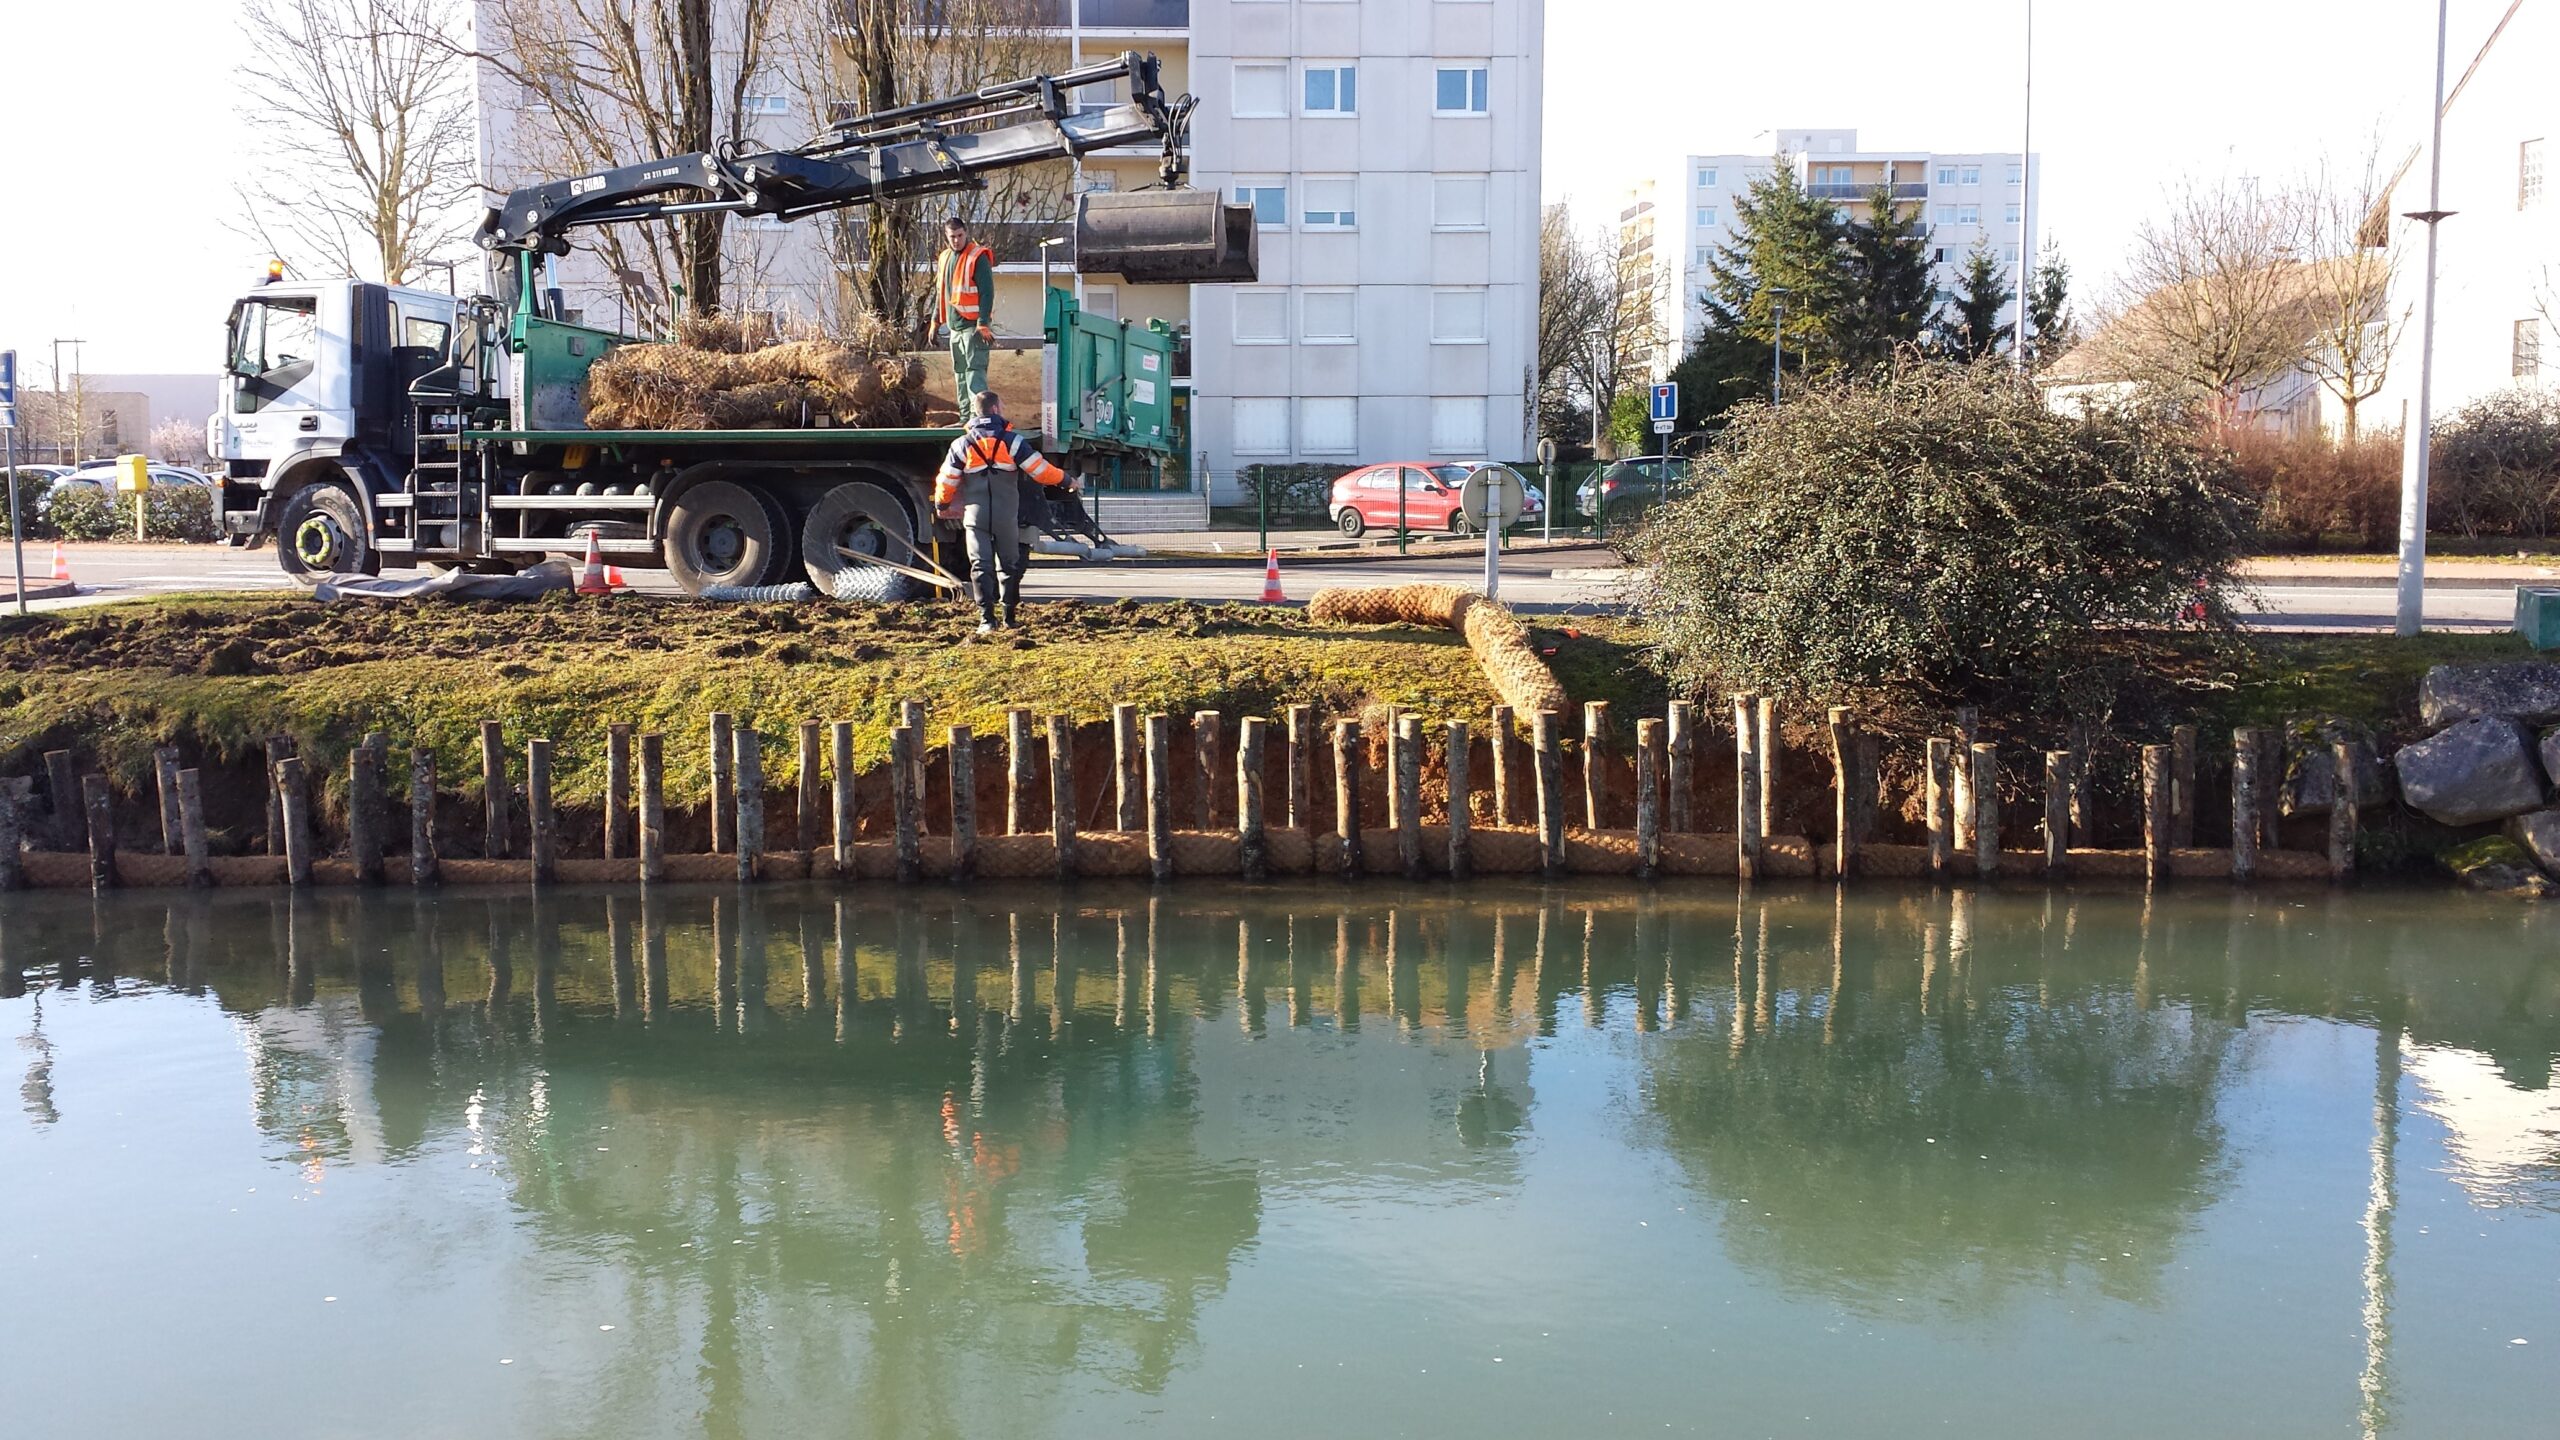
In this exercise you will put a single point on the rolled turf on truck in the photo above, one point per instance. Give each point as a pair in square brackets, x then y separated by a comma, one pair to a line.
[370, 426]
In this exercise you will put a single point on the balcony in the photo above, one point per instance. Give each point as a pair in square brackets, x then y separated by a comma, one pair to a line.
[1902, 190]
[1113, 14]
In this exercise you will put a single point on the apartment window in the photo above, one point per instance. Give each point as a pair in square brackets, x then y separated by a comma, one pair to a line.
[1699, 260]
[1939, 256]
[2525, 358]
[1261, 424]
[1946, 174]
[1262, 317]
[2528, 174]
[1968, 214]
[1328, 425]
[1459, 90]
[2016, 174]
[1330, 89]
[1324, 317]
[1102, 301]
[1331, 202]
[1261, 90]
[1707, 177]
[1269, 199]
[1972, 175]
[1458, 316]
[764, 105]
[1457, 425]
[2009, 253]
[1458, 202]
[2010, 212]
[1706, 216]
[1834, 175]
[1946, 214]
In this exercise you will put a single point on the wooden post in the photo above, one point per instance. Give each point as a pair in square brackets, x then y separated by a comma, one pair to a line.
[1302, 739]
[1941, 780]
[617, 791]
[365, 841]
[2182, 787]
[1498, 740]
[13, 865]
[848, 816]
[813, 785]
[1253, 841]
[1960, 794]
[1595, 763]
[164, 771]
[1208, 739]
[1766, 748]
[2342, 815]
[278, 747]
[1649, 757]
[1062, 793]
[1680, 777]
[1346, 793]
[911, 713]
[904, 804]
[191, 832]
[961, 760]
[749, 780]
[724, 808]
[1455, 765]
[62, 788]
[1408, 782]
[2244, 805]
[1982, 783]
[539, 817]
[1130, 814]
[493, 790]
[1846, 801]
[1020, 769]
[653, 807]
[1747, 771]
[1544, 745]
[295, 800]
[2155, 812]
[422, 816]
[1159, 779]
[2057, 813]
[2084, 813]
[99, 801]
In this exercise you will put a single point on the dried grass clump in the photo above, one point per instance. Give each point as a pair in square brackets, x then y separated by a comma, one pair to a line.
[1500, 642]
[739, 372]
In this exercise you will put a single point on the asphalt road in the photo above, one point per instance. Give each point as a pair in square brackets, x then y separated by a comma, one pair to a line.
[1563, 578]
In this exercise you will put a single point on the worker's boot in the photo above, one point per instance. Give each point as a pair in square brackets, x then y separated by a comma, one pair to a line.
[1012, 600]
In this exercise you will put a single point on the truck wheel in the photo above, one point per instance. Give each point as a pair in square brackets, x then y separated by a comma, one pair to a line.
[850, 525]
[719, 533]
[321, 533]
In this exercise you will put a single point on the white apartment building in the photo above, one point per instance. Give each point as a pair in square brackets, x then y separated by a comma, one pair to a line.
[1391, 148]
[1966, 199]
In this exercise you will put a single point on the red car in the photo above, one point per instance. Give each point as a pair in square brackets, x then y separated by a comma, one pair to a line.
[1368, 496]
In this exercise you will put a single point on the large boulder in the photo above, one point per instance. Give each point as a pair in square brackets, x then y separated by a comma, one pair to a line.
[2539, 834]
[2471, 773]
[2550, 751]
[2525, 690]
[2499, 866]
[2311, 767]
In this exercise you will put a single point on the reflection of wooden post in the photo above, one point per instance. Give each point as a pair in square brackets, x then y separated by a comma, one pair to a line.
[538, 813]
[750, 800]
[1020, 769]
[1648, 798]
[365, 842]
[422, 816]
[1128, 781]
[1160, 797]
[295, 800]
[1253, 842]
[1746, 786]
[2057, 813]
[724, 813]
[1941, 765]
[1346, 793]
[191, 834]
[1455, 766]
[848, 816]
[2244, 805]
[905, 803]
[653, 807]
[1408, 782]
[1849, 807]
[2182, 786]
[1543, 744]
[1208, 741]
[1960, 792]
[961, 759]
[812, 788]
[493, 790]
[13, 870]
[2342, 814]
[1498, 740]
[2155, 812]
[1595, 762]
[617, 791]
[1302, 767]
[100, 803]
[1982, 782]
[1062, 793]
[164, 771]
[1681, 778]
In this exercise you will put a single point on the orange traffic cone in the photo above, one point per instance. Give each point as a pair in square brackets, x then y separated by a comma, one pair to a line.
[591, 580]
[61, 566]
[1271, 579]
[613, 578]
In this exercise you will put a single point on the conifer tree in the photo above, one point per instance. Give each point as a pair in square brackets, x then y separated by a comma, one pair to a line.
[1970, 327]
[1890, 295]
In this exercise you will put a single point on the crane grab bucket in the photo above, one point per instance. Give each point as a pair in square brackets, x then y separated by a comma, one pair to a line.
[1165, 237]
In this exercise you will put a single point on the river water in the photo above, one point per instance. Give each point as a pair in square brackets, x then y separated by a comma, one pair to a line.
[1366, 1162]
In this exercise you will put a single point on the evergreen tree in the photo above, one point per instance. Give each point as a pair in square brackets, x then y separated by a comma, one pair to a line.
[1889, 291]
[2050, 328]
[1970, 328]
[1783, 239]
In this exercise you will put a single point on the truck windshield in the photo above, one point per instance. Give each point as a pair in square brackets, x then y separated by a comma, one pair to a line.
[274, 340]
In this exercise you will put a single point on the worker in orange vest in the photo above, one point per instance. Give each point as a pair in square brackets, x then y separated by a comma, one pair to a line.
[979, 485]
[965, 288]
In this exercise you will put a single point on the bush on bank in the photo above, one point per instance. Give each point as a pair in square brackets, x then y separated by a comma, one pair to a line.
[85, 512]
[1933, 535]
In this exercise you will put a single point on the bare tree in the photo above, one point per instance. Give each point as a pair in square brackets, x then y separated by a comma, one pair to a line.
[2349, 263]
[364, 107]
[2210, 299]
[1574, 299]
[178, 442]
[1621, 299]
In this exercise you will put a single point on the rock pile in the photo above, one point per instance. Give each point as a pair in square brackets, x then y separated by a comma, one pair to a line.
[2491, 760]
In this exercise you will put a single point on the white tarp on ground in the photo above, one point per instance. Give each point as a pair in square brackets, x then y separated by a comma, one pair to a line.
[525, 584]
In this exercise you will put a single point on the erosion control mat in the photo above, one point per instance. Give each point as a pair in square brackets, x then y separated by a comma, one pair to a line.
[1500, 642]
[723, 373]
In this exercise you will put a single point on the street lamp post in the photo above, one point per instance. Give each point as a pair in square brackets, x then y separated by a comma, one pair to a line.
[2411, 592]
[60, 452]
[2026, 197]
[1777, 340]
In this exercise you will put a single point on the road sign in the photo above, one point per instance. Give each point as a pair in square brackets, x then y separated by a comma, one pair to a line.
[1666, 406]
[8, 389]
[1491, 493]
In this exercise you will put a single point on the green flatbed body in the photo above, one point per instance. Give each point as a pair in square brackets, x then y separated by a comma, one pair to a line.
[842, 435]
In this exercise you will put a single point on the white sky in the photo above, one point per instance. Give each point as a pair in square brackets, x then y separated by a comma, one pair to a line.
[121, 134]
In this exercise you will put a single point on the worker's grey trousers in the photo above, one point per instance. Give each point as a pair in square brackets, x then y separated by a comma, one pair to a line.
[990, 504]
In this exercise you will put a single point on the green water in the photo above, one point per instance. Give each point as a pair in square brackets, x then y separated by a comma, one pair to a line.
[1319, 1161]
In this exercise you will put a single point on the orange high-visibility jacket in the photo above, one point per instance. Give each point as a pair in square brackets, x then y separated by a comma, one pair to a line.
[965, 285]
[990, 445]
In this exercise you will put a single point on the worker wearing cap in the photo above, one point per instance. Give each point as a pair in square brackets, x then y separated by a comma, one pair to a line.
[965, 289]
[979, 485]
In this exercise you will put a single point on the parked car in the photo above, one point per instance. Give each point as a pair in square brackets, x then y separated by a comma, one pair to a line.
[1622, 489]
[41, 472]
[1430, 496]
[103, 473]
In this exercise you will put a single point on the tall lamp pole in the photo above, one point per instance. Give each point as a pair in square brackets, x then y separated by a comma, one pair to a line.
[1777, 340]
[2026, 197]
[61, 455]
[2412, 588]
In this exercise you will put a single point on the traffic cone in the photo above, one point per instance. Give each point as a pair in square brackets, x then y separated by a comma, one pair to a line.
[1271, 579]
[61, 566]
[591, 580]
[613, 578]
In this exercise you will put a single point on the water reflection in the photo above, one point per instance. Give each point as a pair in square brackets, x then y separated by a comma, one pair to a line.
[851, 1155]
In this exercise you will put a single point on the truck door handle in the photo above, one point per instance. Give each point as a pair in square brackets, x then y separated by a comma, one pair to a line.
[310, 422]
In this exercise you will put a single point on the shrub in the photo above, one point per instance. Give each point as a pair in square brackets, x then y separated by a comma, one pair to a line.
[173, 512]
[82, 512]
[2310, 489]
[32, 489]
[2494, 468]
[1934, 535]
